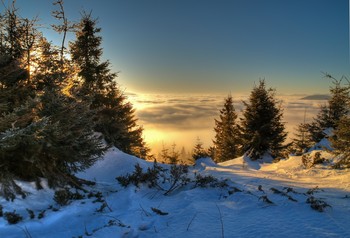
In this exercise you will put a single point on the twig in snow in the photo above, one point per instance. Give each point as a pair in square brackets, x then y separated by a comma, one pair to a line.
[260, 188]
[159, 212]
[276, 191]
[25, 231]
[221, 221]
[146, 213]
[189, 224]
[266, 199]
[86, 232]
[109, 208]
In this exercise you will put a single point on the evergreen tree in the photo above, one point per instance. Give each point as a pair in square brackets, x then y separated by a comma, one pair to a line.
[43, 133]
[199, 151]
[330, 114]
[341, 139]
[115, 116]
[227, 138]
[341, 142]
[262, 127]
[302, 140]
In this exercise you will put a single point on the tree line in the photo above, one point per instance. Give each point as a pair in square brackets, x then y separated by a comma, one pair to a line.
[60, 108]
[261, 130]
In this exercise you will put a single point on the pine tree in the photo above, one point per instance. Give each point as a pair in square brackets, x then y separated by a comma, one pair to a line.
[262, 127]
[341, 142]
[330, 114]
[302, 140]
[341, 108]
[199, 151]
[43, 133]
[227, 138]
[115, 116]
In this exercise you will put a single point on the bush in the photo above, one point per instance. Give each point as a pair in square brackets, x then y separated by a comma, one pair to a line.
[13, 217]
[205, 181]
[64, 196]
[155, 176]
[31, 213]
[317, 204]
[309, 160]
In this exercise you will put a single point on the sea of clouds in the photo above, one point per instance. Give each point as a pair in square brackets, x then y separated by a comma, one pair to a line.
[181, 119]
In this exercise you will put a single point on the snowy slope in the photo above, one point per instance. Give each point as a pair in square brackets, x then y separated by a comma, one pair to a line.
[239, 210]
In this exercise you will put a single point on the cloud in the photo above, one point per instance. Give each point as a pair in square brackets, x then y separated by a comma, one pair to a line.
[181, 118]
[186, 115]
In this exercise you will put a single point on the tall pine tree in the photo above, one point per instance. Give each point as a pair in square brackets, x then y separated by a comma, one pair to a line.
[43, 133]
[115, 116]
[341, 138]
[330, 114]
[262, 127]
[227, 140]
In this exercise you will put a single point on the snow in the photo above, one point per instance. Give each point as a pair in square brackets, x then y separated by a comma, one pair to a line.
[238, 210]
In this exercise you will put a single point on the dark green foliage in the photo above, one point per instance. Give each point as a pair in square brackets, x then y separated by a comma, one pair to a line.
[138, 177]
[309, 160]
[205, 181]
[171, 157]
[64, 196]
[13, 217]
[53, 147]
[262, 127]
[341, 143]
[227, 140]
[115, 117]
[44, 131]
[330, 114]
[302, 140]
[178, 178]
[199, 151]
[157, 177]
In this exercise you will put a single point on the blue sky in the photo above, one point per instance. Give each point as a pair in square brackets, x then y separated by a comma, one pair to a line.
[188, 46]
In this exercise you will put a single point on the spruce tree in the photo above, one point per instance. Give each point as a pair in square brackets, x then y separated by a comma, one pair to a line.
[302, 140]
[115, 116]
[43, 132]
[199, 151]
[330, 114]
[341, 142]
[262, 127]
[227, 140]
[341, 138]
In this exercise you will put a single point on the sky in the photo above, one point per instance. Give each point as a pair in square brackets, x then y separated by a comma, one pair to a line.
[191, 46]
[177, 60]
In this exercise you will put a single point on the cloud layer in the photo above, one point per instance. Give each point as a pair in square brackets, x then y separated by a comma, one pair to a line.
[181, 118]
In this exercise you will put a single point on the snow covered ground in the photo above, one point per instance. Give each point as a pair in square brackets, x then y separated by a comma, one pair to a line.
[261, 200]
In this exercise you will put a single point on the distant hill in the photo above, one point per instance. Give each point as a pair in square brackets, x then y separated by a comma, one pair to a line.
[316, 97]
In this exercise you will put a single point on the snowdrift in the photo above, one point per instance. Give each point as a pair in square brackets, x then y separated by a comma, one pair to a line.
[251, 199]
